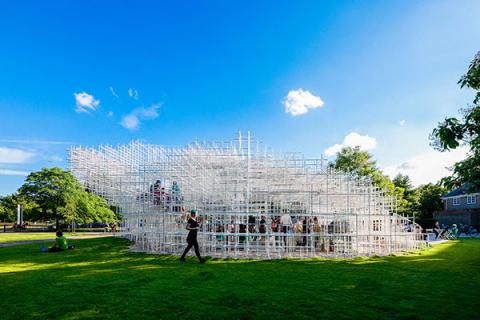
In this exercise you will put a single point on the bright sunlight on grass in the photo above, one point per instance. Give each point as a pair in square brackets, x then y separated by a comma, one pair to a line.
[13, 237]
[101, 279]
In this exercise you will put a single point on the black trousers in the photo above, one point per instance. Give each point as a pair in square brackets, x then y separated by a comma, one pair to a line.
[192, 243]
[285, 230]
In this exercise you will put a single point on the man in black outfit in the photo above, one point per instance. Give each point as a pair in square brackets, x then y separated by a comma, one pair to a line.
[192, 226]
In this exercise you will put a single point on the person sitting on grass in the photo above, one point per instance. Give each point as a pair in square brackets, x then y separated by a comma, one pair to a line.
[454, 231]
[61, 243]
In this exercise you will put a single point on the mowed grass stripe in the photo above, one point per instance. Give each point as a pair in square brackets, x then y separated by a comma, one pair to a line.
[101, 279]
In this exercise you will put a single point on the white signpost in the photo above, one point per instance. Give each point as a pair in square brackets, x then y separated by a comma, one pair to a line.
[19, 214]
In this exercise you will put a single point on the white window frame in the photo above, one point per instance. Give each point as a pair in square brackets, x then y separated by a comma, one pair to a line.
[471, 200]
[456, 201]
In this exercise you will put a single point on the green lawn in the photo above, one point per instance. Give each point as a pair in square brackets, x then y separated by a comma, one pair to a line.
[25, 236]
[100, 279]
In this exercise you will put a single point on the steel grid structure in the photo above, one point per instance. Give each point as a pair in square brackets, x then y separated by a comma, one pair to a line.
[252, 202]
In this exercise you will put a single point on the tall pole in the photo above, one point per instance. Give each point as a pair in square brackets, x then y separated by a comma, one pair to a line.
[19, 214]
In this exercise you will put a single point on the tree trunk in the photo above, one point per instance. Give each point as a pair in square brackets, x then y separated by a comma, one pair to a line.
[57, 223]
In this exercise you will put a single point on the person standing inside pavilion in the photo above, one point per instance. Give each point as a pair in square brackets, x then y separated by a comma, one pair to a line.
[192, 227]
[286, 222]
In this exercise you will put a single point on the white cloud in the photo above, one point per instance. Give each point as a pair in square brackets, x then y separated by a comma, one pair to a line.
[10, 155]
[365, 142]
[333, 149]
[429, 166]
[132, 93]
[299, 101]
[132, 120]
[9, 172]
[110, 113]
[353, 139]
[402, 123]
[85, 102]
[113, 92]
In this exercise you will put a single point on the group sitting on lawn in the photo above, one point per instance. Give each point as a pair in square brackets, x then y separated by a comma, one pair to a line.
[446, 233]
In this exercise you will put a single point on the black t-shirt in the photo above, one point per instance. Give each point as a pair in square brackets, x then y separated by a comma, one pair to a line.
[262, 228]
[192, 234]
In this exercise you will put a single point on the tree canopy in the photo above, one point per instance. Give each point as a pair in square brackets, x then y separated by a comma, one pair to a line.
[55, 194]
[406, 194]
[453, 133]
[8, 208]
[428, 200]
[419, 202]
[6, 214]
[361, 164]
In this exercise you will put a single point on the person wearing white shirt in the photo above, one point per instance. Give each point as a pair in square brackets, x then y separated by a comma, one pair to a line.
[286, 222]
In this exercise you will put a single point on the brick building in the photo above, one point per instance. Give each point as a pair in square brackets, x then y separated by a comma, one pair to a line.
[460, 206]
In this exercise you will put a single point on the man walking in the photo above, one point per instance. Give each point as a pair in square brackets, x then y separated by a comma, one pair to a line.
[192, 226]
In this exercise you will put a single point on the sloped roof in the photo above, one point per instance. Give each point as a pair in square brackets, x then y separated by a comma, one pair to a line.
[461, 191]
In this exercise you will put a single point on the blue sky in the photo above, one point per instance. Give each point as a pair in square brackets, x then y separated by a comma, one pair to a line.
[379, 74]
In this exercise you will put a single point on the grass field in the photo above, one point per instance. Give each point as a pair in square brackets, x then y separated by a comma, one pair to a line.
[100, 279]
[25, 236]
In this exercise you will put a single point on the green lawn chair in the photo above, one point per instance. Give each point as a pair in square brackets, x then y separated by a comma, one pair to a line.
[454, 232]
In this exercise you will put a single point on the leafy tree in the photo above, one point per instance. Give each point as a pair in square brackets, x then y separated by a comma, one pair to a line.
[360, 164]
[453, 133]
[93, 208]
[410, 201]
[8, 208]
[428, 200]
[407, 195]
[404, 182]
[6, 212]
[59, 196]
[53, 190]
[355, 161]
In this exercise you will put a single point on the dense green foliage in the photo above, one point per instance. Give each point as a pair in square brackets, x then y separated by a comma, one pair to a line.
[102, 280]
[406, 194]
[453, 133]
[427, 199]
[361, 164]
[8, 208]
[55, 194]
[419, 202]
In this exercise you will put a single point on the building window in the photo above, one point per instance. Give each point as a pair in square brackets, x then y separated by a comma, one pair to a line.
[471, 200]
[377, 225]
[456, 201]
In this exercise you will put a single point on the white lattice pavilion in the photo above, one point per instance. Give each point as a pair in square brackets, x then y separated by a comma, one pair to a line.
[241, 189]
